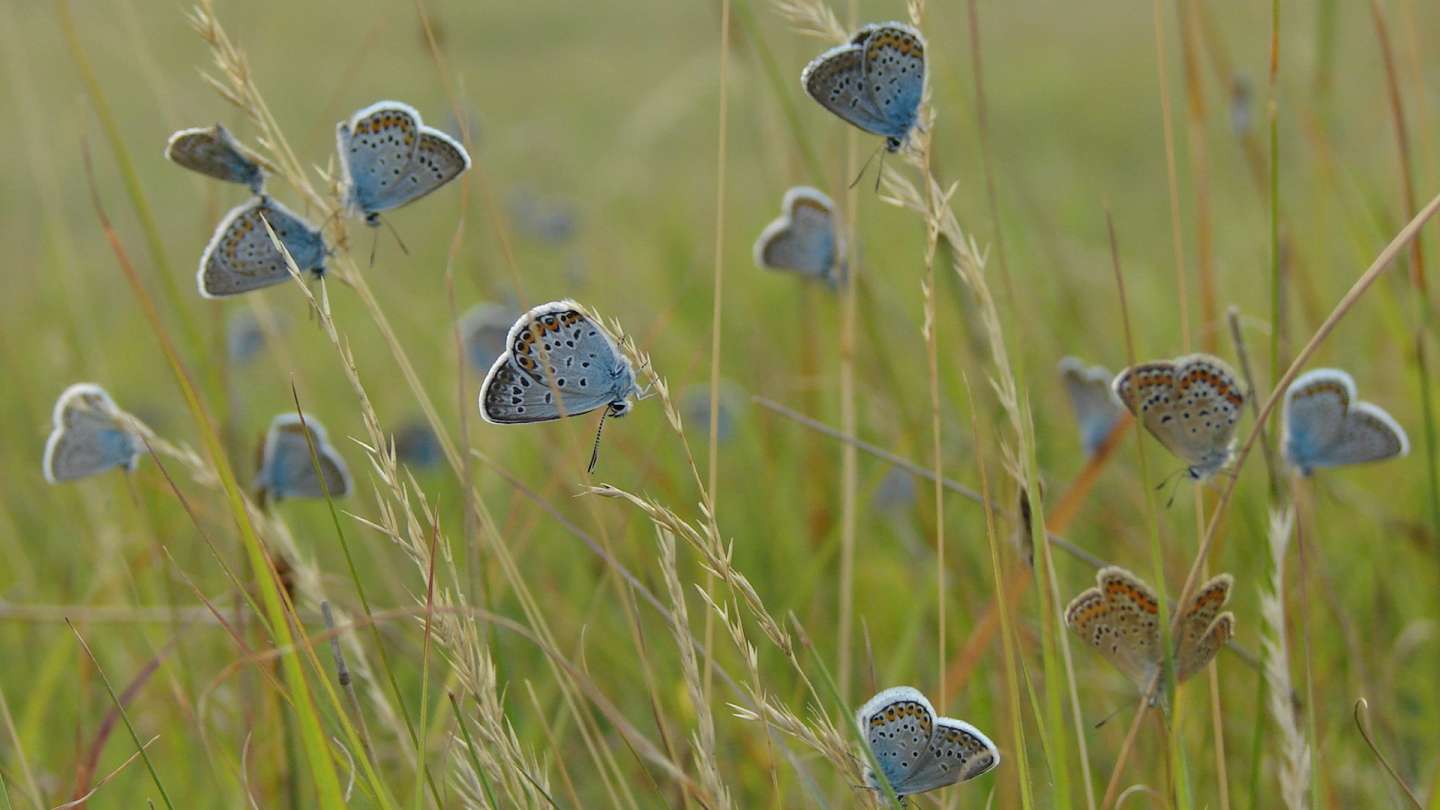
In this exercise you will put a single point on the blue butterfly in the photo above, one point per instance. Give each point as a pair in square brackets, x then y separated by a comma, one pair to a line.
[918, 751]
[214, 152]
[91, 435]
[875, 81]
[241, 256]
[1096, 409]
[287, 469]
[1325, 426]
[391, 158]
[805, 239]
[558, 362]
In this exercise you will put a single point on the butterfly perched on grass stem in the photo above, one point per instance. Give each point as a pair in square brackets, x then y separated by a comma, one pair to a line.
[1190, 405]
[917, 750]
[1326, 426]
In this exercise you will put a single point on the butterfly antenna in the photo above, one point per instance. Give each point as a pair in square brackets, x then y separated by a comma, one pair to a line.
[374, 240]
[863, 168]
[1107, 718]
[595, 451]
[879, 173]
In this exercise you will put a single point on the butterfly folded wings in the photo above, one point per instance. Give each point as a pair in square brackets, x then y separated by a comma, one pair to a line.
[1190, 405]
[918, 751]
[214, 152]
[1326, 426]
[1120, 617]
[389, 158]
[288, 470]
[804, 239]
[242, 256]
[875, 81]
[90, 435]
[1096, 411]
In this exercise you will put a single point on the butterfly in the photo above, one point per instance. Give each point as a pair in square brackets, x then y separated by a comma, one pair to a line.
[287, 469]
[875, 81]
[241, 256]
[417, 446]
[695, 407]
[557, 362]
[1120, 617]
[391, 158]
[1325, 426]
[1190, 405]
[1095, 407]
[551, 221]
[91, 435]
[484, 330]
[917, 751]
[245, 335]
[214, 152]
[804, 239]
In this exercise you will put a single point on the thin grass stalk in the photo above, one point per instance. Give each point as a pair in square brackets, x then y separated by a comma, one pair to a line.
[1294, 754]
[317, 754]
[849, 459]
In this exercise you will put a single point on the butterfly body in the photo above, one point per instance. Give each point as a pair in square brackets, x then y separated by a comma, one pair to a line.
[90, 436]
[287, 469]
[214, 152]
[804, 239]
[1120, 617]
[917, 750]
[1190, 405]
[390, 158]
[557, 362]
[241, 256]
[875, 81]
[1326, 426]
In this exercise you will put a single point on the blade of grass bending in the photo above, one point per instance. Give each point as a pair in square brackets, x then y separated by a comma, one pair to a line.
[120, 707]
[316, 745]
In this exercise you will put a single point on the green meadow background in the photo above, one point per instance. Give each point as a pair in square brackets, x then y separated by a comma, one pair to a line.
[574, 688]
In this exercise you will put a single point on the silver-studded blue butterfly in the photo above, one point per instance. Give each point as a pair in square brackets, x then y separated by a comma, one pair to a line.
[557, 362]
[241, 256]
[875, 81]
[91, 435]
[417, 445]
[391, 158]
[1326, 426]
[1190, 404]
[805, 239]
[1096, 410]
[287, 469]
[918, 751]
[214, 152]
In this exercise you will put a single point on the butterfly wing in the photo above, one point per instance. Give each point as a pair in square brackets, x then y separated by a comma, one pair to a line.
[836, 79]
[898, 725]
[288, 471]
[1091, 400]
[557, 363]
[1120, 617]
[1369, 434]
[1315, 408]
[1203, 628]
[1191, 406]
[438, 160]
[958, 752]
[804, 239]
[376, 146]
[212, 151]
[241, 256]
[88, 436]
[894, 75]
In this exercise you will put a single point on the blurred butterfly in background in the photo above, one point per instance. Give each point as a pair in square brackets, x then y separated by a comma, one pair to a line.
[390, 158]
[1326, 426]
[241, 257]
[553, 221]
[483, 333]
[287, 469]
[1190, 405]
[1120, 617]
[918, 751]
[875, 81]
[417, 445]
[558, 362]
[805, 239]
[214, 152]
[245, 335]
[1096, 410]
[695, 409]
[91, 435]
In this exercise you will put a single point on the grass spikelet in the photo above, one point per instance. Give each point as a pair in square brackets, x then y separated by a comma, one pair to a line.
[1294, 754]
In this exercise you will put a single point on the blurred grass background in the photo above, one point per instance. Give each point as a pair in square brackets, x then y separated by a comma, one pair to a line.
[613, 109]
